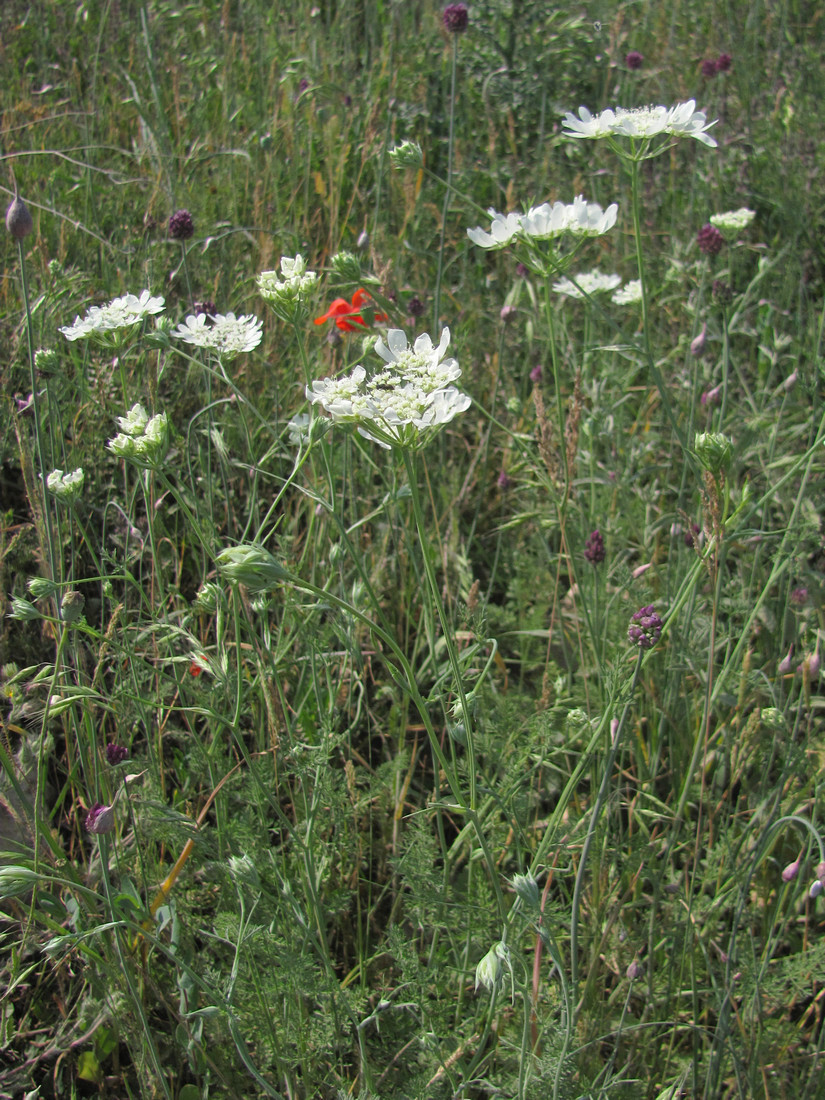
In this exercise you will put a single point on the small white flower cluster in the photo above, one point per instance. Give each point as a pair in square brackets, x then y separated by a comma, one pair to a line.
[588, 283]
[578, 218]
[412, 394]
[141, 440]
[228, 335]
[733, 221]
[66, 487]
[295, 285]
[119, 313]
[628, 294]
[642, 123]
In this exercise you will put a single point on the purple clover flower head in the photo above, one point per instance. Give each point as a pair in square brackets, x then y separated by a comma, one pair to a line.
[645, 628]
[456, 18]
[206, 306]
[594, 548]
[723, 62]
[100, 819]
[181, 226]
[535, 373]
[504, 481]
[634, 60]
[416, 306]
[799, 596]
[709, 67]
[116, 754]
[710, 240]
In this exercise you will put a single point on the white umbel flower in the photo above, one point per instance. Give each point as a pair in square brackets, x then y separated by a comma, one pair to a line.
[578, 218]
[119, 313]
[295, 281]
[641, 123]
[628, 294]
[142, 440]
[733, 221]
[228, 335]
[412, 394]
[66, 487]
[589, 283]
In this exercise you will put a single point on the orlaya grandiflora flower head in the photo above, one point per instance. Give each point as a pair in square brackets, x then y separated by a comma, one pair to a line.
[402, 403]
[641, 123]
[587, 284]
[288, 294]
[101, 321]
[228, 335]
[578, 219]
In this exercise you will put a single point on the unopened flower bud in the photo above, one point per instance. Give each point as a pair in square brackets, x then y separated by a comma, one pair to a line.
[18, 219]
[100, 819]
[791, 871]
[407, 155]
[46, 361]
[488, 971]
[786, 664]
[40, 588]
[252, 566]
[634, 971]
[347, 266]
[527, 889]
[71, 606]
[815, 889]
[714, 451]
[22, 610]
[773, 719]
[363, 242]
[790, 382]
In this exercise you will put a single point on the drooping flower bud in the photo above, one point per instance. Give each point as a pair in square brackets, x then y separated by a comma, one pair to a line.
[100, 819]
[18, 219]
[71, 606]
[714, 451]
[251, 565]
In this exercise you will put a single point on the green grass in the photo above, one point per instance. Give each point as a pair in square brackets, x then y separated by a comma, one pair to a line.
[418, 738]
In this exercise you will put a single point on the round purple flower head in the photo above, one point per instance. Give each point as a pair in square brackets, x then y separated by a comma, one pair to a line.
[709, 67]
[416, 306]
[710, 240]
[645, 628]
[634, 60]
[504, 481]
[181, 226]
[455, 18]
[206, 306]
[723, 62]
[116, 754]
[594, 548]
[535, 373]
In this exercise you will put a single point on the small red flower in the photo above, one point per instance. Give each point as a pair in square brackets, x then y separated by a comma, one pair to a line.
[195, 669]
[347, 315]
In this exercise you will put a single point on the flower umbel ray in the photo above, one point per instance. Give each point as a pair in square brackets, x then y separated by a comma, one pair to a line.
[347, 315]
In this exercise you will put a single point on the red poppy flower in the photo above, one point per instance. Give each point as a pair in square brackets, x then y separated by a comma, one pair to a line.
[346, 314]
[195, 669]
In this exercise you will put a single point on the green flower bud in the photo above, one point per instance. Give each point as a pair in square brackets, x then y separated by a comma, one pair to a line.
[46, 361]
[251, 565]
[773, 719]
[527, 889]
[407, 155]
[23, 610]
[71, 606]
[714, 451]
[346, 266]
[40, 588]
[208, 598]
[15, 881]
[488, 971]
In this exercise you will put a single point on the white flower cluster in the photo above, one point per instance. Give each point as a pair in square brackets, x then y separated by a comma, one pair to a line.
[642, 123]
[296, 283]
[66, 487]
[578, 218]
[628, 294]
[410, 395]
[141, 440]
[733, 221]
[119, 313]
[228, 335]
[589, 283]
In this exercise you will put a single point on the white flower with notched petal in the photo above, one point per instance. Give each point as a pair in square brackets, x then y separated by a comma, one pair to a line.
[504, 227]
[119, 313]
[589, 283]
[228, 335]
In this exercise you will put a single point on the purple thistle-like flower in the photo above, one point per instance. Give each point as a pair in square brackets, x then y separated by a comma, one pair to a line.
[594, 548]
[723, 62]
[456, 17]
[710, 240]
[181, 226]
[416, 307]
[709, 67]
[100, 819]
[645, 628]
[634, 60]
[116, 754]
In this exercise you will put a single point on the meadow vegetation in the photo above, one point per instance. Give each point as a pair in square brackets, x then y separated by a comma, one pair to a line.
[411, 638]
